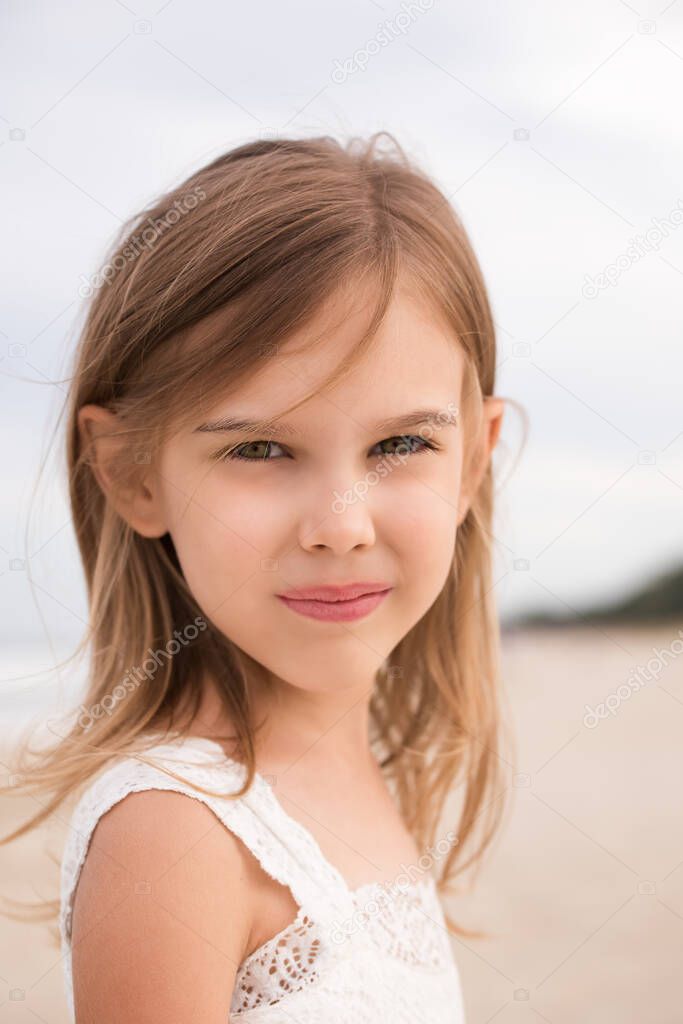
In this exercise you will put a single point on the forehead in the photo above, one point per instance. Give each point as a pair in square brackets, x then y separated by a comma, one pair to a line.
[413, 360]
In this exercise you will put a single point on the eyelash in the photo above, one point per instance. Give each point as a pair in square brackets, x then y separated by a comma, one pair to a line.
[227, 454]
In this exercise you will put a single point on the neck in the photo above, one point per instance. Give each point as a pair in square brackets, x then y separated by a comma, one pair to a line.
[297, 729]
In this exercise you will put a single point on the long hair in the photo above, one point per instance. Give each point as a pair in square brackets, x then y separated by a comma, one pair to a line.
[199, 289]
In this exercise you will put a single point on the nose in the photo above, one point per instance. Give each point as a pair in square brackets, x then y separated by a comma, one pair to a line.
[338, 520]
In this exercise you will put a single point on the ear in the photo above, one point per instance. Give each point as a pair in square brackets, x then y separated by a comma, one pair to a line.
[492, 419]
[138, 500]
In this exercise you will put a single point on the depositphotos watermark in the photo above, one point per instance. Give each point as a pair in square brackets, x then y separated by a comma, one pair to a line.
[388, 31]
[146, 239]
[638, 247]
[387, 463]
[388, 891]
[636, 681]
[135, 676]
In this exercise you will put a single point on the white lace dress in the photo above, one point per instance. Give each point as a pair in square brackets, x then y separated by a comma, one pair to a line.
[373, 954]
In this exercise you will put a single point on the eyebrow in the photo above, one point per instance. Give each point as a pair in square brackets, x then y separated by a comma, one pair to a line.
[416, 418]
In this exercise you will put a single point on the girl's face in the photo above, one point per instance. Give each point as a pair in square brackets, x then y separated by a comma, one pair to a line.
[336, 497]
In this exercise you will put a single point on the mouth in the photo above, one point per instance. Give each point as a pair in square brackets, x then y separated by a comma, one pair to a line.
[336, 609]
[336, 591]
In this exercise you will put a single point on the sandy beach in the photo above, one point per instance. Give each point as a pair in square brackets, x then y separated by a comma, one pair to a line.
[582, 893]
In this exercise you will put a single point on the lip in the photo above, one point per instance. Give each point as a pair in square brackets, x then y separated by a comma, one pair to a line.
[332, 592]
[359, 601]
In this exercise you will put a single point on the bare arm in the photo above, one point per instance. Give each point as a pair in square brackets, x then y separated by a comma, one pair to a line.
[162, 915]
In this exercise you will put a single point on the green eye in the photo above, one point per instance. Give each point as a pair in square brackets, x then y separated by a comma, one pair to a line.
[260, 451]
[405, 444]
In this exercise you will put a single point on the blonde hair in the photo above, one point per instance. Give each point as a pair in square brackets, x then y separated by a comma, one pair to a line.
[274, 228]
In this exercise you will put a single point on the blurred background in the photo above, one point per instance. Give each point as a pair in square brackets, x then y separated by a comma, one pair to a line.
[555, 131]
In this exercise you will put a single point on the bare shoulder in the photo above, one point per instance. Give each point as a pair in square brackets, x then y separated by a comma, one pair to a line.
[162, 914]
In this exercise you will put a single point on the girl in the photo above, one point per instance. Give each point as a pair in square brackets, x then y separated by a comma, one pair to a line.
[293, 662]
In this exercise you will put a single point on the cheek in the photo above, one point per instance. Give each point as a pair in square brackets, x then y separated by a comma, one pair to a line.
[424, 531]
[223, 533]
[421, 506]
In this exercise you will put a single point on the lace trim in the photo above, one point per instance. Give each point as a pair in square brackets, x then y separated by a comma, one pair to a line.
[288, 962]
[406, 926]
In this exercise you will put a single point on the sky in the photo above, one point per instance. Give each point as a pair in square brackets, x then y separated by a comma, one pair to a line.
[554, 130]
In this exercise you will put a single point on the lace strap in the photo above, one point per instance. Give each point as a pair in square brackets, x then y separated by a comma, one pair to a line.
[285, 850]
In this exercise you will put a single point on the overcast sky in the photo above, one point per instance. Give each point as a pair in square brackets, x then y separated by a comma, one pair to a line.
[555, 129]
